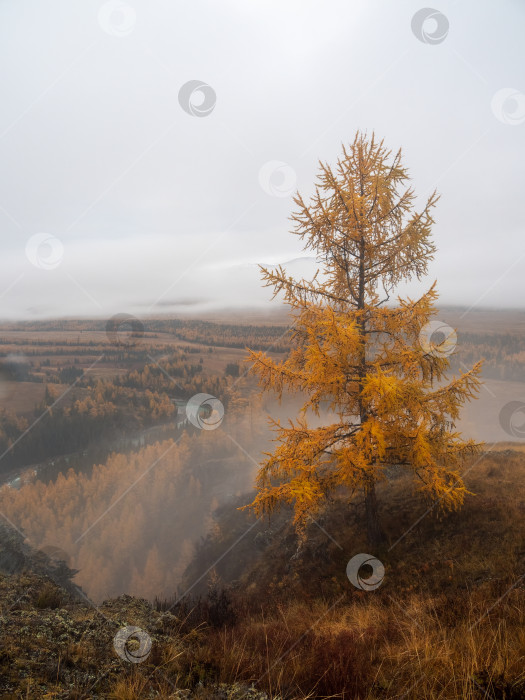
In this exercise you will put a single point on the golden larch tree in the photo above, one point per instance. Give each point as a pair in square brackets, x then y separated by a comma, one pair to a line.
[358, 356]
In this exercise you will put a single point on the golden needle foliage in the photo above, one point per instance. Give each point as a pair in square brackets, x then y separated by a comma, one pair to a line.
[356, 355]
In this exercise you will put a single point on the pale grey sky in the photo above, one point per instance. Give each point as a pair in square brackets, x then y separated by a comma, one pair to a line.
[147, 208]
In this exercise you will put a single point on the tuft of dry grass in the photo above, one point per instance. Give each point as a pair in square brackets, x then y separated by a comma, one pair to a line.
[50, 596]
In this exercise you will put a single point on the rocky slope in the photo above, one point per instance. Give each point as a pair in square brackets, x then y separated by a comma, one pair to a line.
[55, 643]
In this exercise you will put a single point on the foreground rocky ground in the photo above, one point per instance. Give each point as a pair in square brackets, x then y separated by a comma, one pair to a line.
[55, 643]
[53, 646]
[283, 624]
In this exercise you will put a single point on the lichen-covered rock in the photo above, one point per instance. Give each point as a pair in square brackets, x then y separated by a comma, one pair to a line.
[54, 642]
[54, 645]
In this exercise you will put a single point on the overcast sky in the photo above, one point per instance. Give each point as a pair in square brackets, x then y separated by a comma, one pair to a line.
[125, 188]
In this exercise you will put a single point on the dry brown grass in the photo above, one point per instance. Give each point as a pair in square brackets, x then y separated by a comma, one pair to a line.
[415, 648]
[447, 623]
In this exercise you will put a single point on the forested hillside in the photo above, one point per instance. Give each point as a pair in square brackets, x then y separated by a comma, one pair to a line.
[130, 526]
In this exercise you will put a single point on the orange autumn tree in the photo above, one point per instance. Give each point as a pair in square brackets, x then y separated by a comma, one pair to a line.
[360, 358]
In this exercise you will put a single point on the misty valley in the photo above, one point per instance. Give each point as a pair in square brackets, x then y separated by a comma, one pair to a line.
[100, 414]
